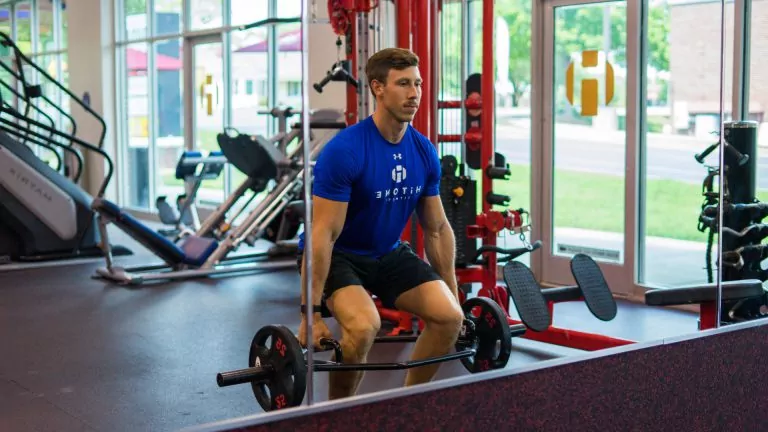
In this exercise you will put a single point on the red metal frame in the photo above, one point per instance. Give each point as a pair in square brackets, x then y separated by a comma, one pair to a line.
[352, 112]
[707, 315]
[403, 11]
[417, 24]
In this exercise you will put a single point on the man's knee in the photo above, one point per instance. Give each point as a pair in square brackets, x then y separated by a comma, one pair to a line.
[448, 320]
[359, 333]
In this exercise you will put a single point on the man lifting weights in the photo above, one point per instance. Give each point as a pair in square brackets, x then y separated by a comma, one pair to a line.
[368, 180]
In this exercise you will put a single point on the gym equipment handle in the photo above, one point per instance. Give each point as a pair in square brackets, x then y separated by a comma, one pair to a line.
[497, 199]
[269, 21]
[242, 376]
[319, 86]
[511, 253]
[498, 173]
[333, 367]
[740, 158]
[322, 125]
[256, 374]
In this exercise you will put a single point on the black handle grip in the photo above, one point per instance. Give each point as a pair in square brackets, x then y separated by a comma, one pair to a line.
[498, 173]
[739, 157]
[319, 86]
[321, 125]
[346, 76]
[497, 199]
[752, 234]
[509, 254]
[701, 156]
[328, 344]
[520, 251]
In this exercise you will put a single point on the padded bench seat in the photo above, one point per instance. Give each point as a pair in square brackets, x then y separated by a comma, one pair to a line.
[694, 294]
[193, 250]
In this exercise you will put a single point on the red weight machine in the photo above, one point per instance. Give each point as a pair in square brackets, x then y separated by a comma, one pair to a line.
[417, 30]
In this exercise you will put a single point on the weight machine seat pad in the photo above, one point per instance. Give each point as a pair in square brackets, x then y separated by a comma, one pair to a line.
[694, 294]
[183, 170]
[597, 295]
[151, 239]
[254, 156]
[197, 249]
[527, 296]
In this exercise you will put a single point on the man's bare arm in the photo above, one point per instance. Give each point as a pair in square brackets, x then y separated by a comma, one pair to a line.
[439, 240]
[327, 222]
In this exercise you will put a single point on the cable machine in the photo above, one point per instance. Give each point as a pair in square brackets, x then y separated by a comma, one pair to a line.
[469, 161]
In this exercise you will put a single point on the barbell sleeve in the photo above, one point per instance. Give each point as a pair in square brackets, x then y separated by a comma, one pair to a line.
[242, 376]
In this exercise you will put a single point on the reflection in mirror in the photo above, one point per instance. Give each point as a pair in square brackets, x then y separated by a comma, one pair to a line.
[681, 120]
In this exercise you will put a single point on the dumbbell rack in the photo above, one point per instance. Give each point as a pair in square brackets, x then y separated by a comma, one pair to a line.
[742, 184]
[743, 229]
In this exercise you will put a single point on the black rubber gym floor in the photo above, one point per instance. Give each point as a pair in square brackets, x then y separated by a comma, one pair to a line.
[81, 354]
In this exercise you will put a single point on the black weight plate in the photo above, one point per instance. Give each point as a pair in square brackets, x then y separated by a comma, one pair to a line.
[449, 164]
[284, 354]
[494, 342]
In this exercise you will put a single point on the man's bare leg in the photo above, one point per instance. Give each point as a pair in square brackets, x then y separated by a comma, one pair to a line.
[359, 320]
[434, 303]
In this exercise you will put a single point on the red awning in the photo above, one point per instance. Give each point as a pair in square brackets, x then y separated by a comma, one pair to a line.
[137, 61]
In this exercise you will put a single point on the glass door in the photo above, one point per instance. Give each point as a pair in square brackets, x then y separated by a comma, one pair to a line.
[586, 137]
[205, 108]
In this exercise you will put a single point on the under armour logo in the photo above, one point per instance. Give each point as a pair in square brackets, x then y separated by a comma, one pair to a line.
[397, 156]
[398, 174]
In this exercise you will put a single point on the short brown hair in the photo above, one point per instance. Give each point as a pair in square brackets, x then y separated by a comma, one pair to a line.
[378, 65]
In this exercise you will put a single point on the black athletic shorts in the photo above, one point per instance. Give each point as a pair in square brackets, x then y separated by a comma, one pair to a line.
[387, 277]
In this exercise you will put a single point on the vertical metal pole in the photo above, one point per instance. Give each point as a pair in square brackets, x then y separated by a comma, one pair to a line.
[403, 11]
[307, 196]
[352, 92]
[422, 47]
[470, 17]
[721, 148]
[363, 47]
[464, 59]
[434, 69]
[487, 127]
[273, 48]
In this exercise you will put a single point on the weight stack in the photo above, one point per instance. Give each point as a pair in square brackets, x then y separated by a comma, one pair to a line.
[741, 183]
[459, 197]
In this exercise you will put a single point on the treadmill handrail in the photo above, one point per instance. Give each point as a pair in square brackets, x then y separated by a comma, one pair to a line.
[110, 167]
[34, 139]
[43, 96]
[51, 139]
[6, 40]
[41, 112]
[68, 148]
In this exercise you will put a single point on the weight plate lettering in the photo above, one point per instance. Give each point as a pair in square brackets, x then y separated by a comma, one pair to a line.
[275, 346]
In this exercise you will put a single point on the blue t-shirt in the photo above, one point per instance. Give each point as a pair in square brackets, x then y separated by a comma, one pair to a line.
[381, 181]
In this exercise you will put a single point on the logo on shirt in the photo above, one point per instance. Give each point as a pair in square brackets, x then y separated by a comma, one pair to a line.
[400, 191]
[398, 174]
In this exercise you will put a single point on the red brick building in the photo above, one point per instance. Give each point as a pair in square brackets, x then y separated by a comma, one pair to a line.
[694, 52]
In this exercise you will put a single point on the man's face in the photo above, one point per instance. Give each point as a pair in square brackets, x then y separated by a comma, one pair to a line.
[401, 93]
